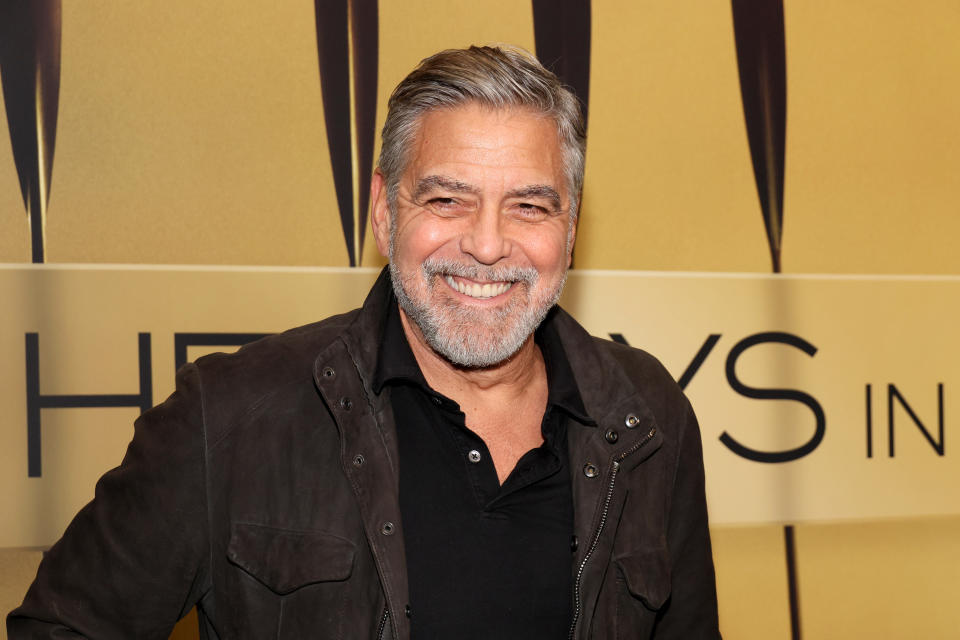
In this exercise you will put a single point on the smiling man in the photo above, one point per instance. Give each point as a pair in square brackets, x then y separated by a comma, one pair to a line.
[457, 459]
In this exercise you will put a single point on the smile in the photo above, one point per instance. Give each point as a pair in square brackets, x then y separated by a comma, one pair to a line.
[479, 291]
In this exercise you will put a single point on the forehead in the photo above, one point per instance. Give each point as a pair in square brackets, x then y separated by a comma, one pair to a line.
[512, 143]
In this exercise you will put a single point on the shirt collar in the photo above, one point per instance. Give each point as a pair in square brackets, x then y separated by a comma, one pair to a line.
[563, 392]
[395, 360]
[396, 364]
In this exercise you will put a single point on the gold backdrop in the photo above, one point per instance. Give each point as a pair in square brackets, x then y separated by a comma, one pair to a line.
[193, 133]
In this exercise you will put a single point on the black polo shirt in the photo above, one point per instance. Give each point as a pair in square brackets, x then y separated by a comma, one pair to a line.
[484, 560]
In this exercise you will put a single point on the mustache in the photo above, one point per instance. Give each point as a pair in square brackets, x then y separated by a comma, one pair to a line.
[441, 266]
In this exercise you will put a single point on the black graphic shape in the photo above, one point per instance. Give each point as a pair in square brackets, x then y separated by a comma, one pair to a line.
[347, 47]
[762, 61]
[183, 340]
[30, 70]
[790, 547]
[37, 401]
[561, 31]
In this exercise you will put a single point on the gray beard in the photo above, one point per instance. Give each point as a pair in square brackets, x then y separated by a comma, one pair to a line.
[469, 337]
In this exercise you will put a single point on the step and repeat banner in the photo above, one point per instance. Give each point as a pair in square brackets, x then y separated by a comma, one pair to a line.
[820, 398]
[805, 136]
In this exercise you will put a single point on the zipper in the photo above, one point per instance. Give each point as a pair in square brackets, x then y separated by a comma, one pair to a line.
[383, 622]
[595, 540]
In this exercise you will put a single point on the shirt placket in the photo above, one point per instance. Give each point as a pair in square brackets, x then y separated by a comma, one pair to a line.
[477, 461]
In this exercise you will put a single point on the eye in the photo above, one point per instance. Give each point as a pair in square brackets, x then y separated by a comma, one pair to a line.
[442, 204]
[530, 211]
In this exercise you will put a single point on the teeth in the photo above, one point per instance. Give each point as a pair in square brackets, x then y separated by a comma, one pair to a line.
[477, 290]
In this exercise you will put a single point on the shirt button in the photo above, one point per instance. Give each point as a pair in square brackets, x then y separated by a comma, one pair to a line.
[474, 456]
[437, 401]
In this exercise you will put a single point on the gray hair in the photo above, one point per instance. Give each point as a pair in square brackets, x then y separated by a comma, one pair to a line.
[499, 77]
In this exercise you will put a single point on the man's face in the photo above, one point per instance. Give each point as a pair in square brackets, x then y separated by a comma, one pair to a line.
[481, 235]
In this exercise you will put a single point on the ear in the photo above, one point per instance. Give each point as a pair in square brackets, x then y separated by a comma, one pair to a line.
[572, 234]
[380, 212]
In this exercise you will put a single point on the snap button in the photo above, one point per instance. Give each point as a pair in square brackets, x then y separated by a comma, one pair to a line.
[631, 420]
[387, 528]
[474, 456]
[358, 460]
[590, 470]
[346, 404]
[611, 436]
[328, 372]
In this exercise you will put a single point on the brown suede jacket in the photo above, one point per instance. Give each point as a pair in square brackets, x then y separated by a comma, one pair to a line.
[264, 491]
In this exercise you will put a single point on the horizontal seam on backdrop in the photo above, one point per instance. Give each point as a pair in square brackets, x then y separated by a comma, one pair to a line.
[82, 266]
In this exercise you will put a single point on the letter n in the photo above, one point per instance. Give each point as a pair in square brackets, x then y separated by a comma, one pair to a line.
[892, 393]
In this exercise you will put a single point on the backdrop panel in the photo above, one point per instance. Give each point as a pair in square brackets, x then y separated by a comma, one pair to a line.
[819, 397]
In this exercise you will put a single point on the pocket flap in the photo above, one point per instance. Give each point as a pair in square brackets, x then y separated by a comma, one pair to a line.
[286, 560]
[647, 575]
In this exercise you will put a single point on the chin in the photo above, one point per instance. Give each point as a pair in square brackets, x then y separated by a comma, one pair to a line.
[471, 336]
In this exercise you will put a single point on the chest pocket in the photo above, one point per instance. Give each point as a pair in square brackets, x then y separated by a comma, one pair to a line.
[293, 584]
[643, 587]
[284, 560]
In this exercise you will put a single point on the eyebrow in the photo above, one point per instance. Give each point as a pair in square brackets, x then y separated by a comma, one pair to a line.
[537, 191]
[429, 183]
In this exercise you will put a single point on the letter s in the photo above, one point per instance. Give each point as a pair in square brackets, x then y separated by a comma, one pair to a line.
[773, 394]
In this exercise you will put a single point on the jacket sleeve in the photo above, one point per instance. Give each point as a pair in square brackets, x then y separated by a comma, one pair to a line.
[135, 559]
[691, 611]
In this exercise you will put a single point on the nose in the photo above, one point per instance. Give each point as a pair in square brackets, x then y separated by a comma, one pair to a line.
[484, 239]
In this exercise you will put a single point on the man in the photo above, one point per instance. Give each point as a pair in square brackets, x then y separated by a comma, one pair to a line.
[458, 458]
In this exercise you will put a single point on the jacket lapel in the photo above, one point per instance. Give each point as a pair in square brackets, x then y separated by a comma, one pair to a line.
[626, 434]
[368, 444]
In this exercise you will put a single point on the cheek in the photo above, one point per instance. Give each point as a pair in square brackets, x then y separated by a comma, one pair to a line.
[547, 251]
[419, 240]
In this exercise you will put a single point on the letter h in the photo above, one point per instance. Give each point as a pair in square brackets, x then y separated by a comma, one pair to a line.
[36, 401]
